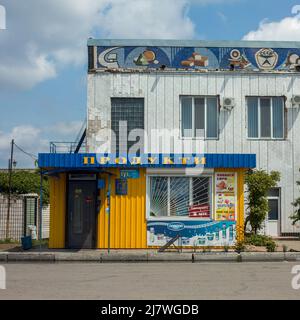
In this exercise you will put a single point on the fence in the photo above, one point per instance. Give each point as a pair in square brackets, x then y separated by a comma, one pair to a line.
[23, 215]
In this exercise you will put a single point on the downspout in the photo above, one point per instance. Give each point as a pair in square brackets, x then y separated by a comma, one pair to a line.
[108, 211]
[41, 209]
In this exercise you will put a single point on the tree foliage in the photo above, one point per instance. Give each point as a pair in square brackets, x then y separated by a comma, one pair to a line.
[24, 182]
[296, 216]
[258, 183]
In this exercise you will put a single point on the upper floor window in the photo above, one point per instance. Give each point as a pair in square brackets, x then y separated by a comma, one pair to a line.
[199, 117]
[265, 117]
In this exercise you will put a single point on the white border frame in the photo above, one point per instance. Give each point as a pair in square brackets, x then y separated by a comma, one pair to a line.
[174, 218]
[235, 194]
[271, 115]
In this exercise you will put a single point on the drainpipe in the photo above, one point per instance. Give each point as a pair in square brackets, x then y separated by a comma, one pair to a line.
[108, 211]
[10, 167]
[41, 210]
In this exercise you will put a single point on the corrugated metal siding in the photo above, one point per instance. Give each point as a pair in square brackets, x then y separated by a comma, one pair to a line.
[128, 222]
[161, 92]
[57, 211]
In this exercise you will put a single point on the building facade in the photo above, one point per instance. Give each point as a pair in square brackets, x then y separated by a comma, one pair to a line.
[208, 112]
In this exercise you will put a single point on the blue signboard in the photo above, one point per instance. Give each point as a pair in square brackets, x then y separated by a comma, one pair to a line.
[129, 174]
[92, 160]
[121, 187]
[101, 183]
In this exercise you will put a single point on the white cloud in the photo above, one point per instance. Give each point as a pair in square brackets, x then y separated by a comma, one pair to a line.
[287, 29]
[65, 129]
[148, 19]
[44, 36]
[28, 138]
[35, 140]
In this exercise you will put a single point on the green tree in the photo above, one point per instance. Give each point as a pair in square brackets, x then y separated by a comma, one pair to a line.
[23, 182]
[258, 183]
[296, 216]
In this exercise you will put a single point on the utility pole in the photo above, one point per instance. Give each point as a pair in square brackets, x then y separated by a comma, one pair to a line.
[10, 165]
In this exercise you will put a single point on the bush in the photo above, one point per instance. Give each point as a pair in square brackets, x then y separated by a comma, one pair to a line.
[261, 241]
[271, 246]
[23, 182]
[240, 247]
[258, 183]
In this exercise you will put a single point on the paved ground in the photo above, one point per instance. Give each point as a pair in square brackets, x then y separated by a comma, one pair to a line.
[290, 244]
[150, 281]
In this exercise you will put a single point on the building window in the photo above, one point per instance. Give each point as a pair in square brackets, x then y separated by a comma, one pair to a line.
[127, 112]
[199, 117]
[187, 197]
[265, 117]
[274, 204]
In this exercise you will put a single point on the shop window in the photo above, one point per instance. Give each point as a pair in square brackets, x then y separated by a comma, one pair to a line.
[187, 197]
[265, 117]
[199, 117]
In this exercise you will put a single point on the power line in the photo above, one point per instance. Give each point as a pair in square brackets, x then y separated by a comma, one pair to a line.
[34, 157]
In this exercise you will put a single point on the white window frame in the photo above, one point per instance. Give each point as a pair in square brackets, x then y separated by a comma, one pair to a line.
[193, 118]
[278, 198]
[169, 217]
[259, 118]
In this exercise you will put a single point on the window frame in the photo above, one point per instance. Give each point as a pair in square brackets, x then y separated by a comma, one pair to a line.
[194, 137]
[278, 198]
[271, 120]
[180, 218]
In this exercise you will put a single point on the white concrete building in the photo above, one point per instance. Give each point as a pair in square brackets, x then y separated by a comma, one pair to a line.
[243, 96]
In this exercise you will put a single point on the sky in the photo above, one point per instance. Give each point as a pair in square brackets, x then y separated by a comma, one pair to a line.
[43, 53]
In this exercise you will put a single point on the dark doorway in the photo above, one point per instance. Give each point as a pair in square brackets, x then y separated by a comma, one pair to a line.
[82, 214]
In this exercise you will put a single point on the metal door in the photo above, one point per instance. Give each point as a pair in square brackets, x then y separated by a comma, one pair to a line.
[81, 214]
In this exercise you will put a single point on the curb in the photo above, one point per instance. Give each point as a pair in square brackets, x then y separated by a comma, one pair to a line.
[262, 256]
[149, 257]
[217, 257]
[30, 257]
[3, 257]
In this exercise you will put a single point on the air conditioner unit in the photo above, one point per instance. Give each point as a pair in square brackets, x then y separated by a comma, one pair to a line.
[296, 100]
[228, 103]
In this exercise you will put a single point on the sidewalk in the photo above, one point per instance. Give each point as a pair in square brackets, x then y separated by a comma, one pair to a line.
[102, 256]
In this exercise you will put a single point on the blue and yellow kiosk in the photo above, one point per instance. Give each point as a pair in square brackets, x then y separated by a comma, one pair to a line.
[107, 201]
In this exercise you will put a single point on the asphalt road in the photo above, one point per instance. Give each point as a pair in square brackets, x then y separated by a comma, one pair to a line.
[150, 281]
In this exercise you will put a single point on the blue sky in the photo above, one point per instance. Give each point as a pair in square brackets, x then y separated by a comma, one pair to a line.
[43, 52]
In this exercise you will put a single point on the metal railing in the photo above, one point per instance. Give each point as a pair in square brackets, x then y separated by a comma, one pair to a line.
[77, 146]
[65, 147]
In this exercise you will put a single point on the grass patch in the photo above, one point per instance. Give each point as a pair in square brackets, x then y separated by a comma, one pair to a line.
[9, 241]
[43, 243]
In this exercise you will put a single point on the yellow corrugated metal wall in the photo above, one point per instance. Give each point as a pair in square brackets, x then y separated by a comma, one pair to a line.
[128, 213]
[57, 211]
[128, 217]
[240, 203]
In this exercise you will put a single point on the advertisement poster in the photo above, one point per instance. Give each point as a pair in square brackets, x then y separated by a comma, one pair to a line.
[192, 233]
[225, 196]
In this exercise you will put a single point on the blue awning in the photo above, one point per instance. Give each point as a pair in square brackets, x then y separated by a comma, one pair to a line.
[92, 160]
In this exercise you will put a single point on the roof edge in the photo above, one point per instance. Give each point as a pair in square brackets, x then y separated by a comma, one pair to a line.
[191, 43]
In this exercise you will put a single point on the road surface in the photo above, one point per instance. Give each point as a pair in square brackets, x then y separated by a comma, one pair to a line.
[150, 281]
